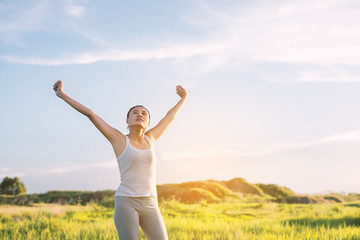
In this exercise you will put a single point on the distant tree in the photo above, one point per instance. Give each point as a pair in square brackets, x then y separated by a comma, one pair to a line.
[12, 186]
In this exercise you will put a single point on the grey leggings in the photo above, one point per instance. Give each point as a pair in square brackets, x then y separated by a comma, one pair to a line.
[132, 212]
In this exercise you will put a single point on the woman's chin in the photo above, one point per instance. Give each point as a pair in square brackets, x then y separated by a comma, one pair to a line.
[139, 125]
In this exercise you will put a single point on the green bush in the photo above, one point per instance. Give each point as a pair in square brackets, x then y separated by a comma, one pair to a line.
[275, 190]
[333, 198]
[304, 199]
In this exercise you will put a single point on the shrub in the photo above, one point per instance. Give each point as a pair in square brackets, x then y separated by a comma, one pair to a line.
[333, 198]
[198, 195]
[304, 199]
[275, 190]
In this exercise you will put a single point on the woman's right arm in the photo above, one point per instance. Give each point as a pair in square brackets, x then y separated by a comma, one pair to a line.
[109, 132]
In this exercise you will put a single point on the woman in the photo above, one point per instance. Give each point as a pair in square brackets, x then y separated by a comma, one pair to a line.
[136, 198]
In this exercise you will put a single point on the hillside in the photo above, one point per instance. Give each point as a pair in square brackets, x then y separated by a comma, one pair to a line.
[214, 191]
[208, 191]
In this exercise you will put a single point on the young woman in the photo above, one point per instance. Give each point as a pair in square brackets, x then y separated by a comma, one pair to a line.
[136, 198]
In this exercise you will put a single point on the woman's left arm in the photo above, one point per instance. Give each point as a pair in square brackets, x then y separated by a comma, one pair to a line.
[161, 127]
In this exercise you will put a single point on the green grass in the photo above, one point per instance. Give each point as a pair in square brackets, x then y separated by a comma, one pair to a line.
[189, 221]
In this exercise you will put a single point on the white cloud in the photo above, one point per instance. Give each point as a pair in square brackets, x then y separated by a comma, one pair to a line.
[334, 74]
[6, 172]
[18, 18]
[74, 10]
[179, 51]
[27, 18]
[314, 33]
[322, 33]
[343, 137]
[60, 169]
[170, 156]
[75, 167]
[246, 151]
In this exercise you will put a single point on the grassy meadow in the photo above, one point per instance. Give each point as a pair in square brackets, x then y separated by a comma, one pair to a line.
[200, 210]
[226, 220]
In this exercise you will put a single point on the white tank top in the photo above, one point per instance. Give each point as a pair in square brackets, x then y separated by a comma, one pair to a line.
[137, 171]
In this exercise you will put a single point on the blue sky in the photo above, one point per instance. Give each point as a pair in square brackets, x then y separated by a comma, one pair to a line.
[273, 90]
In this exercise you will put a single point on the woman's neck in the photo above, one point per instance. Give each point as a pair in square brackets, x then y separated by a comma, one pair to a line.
[137, 134]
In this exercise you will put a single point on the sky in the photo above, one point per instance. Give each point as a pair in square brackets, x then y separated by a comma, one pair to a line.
[273, 90]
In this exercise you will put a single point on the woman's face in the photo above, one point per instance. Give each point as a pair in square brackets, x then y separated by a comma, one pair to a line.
[138, 116]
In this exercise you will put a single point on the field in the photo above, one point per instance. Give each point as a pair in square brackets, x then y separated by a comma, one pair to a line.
[188, 221]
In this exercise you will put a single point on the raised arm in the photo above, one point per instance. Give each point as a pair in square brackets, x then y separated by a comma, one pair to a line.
[109, 132]
[161, 127]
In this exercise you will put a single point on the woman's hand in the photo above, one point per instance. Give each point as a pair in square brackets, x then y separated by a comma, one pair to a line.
[164, 123]
[59, 88]
[181, 91]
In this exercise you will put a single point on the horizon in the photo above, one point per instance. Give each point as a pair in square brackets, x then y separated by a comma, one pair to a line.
[273, 90]
[304, 193]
